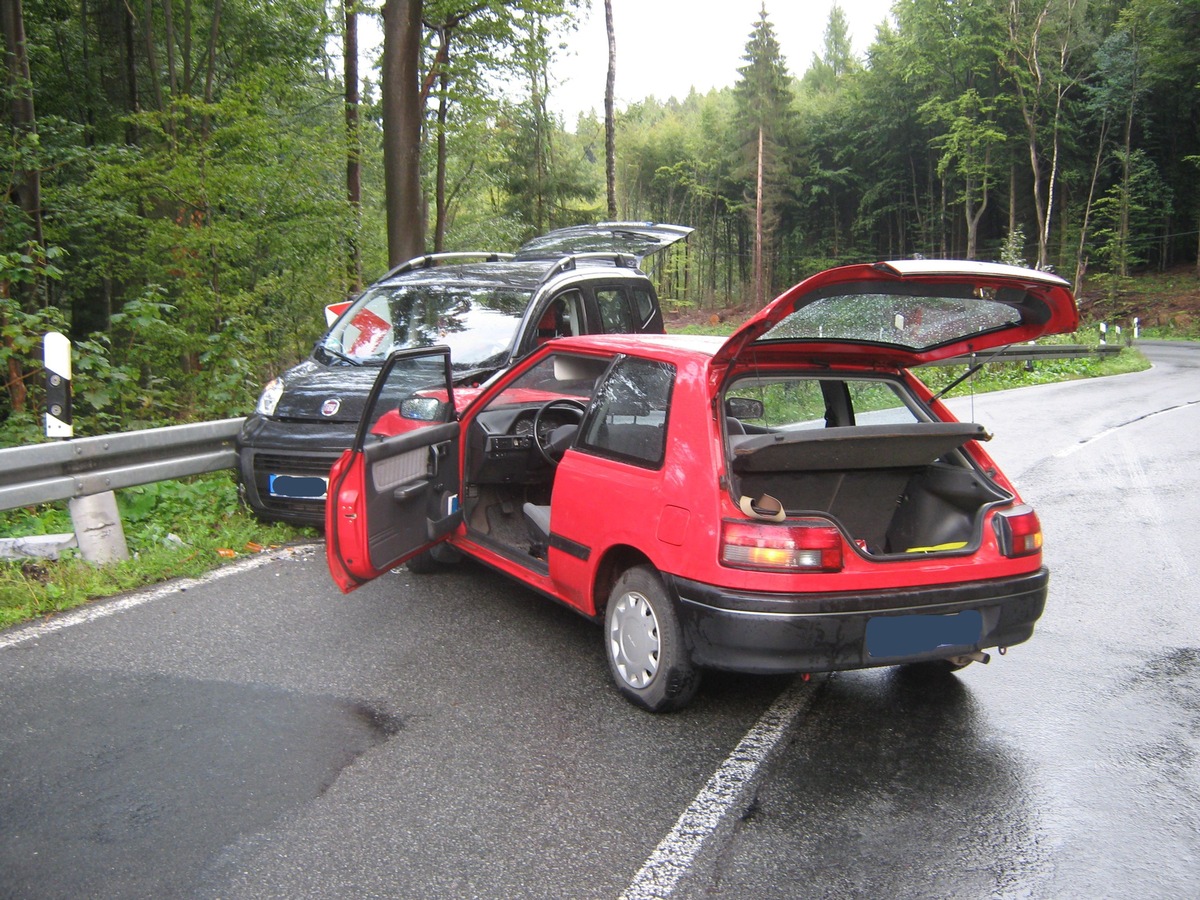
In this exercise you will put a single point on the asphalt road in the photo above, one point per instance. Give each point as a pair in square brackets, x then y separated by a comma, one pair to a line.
[258, 735]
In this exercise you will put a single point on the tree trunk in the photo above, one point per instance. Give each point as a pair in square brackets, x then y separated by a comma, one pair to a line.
[610, 122]
[152, 55]
[1080, 260]
[131, 85]
[440, 224]
[759, 299]
[402, 128]
[169, 43]
[353, 150]
[28, 184]
[210, 69]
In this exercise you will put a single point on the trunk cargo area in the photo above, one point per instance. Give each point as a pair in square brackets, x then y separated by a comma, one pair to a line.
[895, 489]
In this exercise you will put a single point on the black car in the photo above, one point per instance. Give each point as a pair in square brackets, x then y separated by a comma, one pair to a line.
[490, 309]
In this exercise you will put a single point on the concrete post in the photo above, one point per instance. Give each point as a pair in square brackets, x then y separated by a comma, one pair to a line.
[98, 528]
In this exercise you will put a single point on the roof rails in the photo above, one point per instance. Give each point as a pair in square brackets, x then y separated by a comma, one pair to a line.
[429, 260]
[568, 263]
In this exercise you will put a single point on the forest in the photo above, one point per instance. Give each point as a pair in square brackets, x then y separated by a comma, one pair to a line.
[187, 183]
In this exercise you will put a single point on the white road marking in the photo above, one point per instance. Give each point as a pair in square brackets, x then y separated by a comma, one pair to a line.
[80, 615]
[725, 790]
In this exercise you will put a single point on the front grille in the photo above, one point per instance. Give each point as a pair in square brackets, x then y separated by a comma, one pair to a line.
[266, 465]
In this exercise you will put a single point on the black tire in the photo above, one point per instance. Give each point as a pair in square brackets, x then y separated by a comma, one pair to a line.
[423, 564]
[644, 644]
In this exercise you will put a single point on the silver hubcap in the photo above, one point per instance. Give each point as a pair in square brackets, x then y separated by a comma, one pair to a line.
[633, 640]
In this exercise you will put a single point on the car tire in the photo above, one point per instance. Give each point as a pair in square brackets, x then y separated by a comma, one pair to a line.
[423, 564]
[644, 644]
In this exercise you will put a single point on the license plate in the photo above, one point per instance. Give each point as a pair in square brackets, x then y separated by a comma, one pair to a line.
[298, 487]
[909, 635]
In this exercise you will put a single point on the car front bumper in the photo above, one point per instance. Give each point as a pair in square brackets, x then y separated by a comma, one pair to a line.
[776, 633]
[302, 452]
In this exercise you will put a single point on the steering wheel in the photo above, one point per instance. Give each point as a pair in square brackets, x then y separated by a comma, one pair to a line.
[557, 441]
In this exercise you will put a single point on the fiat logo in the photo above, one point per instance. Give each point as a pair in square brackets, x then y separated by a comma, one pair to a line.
[331, 406]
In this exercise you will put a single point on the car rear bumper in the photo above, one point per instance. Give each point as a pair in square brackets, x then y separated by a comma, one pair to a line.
[775, 633]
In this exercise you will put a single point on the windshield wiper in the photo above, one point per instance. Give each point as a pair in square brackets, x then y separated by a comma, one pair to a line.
[330, 353]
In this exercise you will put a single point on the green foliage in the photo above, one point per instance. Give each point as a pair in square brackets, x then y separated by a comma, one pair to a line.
[200, 200]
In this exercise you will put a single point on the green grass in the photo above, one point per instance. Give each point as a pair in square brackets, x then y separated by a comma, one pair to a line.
[173, 529]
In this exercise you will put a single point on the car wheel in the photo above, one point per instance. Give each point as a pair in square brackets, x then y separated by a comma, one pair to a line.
[423, 564]
[646, 654]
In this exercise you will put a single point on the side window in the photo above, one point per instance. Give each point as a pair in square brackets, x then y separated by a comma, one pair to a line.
[629, 421]
[412, 391]
[563, 318]
[643, 301]
[789, 403]
[614, 311]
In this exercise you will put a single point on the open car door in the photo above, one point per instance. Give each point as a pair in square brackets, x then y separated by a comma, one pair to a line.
[394, 493]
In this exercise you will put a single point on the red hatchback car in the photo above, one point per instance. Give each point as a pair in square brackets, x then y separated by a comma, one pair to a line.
[789, 499]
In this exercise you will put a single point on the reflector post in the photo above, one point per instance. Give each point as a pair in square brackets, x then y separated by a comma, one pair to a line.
[56, 350]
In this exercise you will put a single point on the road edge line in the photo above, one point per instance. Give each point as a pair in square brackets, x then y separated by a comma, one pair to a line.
[101, 609]
[672, 859]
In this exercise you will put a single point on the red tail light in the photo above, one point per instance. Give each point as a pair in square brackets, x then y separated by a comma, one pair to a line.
[1018, 531]
[803, 545]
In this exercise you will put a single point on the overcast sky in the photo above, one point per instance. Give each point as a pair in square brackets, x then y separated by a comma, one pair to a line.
[667, 47]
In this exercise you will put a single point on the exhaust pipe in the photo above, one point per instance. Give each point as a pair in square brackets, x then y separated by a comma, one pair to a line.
[978, 656]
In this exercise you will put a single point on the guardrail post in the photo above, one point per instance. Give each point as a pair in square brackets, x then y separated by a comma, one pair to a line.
[98, 528]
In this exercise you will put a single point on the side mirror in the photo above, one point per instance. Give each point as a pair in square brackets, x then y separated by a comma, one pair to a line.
[422, 409]
[744, 408]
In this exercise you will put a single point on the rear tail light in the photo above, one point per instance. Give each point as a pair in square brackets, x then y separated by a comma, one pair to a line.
[802, 545]
[1018, 531]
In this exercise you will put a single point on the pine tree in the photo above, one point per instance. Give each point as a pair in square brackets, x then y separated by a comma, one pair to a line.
[763, 95]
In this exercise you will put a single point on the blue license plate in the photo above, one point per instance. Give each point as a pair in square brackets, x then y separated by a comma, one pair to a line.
[298, 487]
[909, 635]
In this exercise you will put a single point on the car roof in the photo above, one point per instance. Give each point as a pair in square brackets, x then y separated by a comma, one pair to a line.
[674, 346]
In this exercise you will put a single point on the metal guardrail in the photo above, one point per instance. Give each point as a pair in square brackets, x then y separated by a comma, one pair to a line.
[42, 473]
[66, 470]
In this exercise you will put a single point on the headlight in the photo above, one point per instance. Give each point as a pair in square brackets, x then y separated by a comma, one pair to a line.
[270, 397]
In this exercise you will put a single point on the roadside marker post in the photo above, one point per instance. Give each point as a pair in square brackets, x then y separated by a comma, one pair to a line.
[96, 519]
[56, 352]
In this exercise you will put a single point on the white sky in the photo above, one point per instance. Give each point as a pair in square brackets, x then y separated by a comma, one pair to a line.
[667, 47]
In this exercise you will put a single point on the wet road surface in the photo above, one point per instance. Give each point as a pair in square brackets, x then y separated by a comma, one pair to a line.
[259, 735]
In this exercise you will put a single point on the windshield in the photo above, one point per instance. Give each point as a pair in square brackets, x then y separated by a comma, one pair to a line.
[915, 321]
[479, 325]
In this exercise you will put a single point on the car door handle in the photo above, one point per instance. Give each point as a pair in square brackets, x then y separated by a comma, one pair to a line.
[406, 492]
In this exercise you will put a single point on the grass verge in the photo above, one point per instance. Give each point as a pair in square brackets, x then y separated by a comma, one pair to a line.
[173, 529]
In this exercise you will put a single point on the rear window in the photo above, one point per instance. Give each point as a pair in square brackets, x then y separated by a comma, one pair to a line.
[915, 321]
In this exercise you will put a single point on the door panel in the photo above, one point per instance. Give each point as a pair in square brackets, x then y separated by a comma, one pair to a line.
[395, 492]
